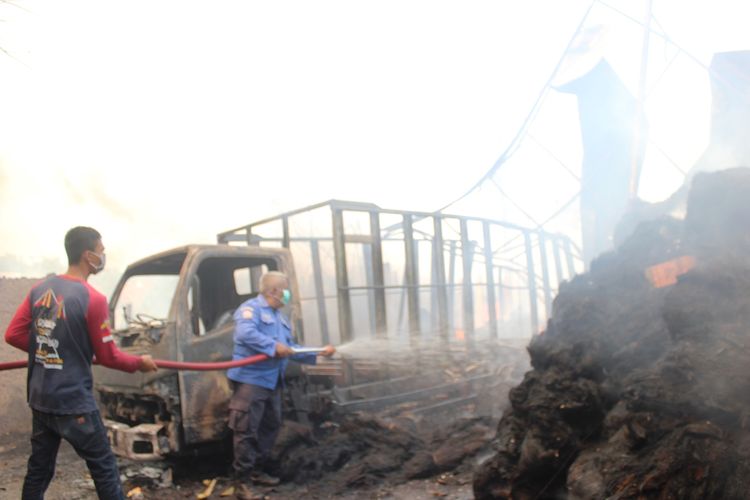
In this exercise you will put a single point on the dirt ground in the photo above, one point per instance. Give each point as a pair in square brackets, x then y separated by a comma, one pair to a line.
[72, 482]
[14, 413]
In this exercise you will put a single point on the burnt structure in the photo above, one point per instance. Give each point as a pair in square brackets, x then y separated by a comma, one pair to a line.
[428, 282]
[611, 155]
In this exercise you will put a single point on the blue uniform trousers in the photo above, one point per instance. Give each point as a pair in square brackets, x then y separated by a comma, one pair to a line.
[255, 419]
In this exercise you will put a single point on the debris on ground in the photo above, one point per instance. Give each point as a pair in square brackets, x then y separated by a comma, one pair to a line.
[365, 450]
[210, 485]
[135, 493]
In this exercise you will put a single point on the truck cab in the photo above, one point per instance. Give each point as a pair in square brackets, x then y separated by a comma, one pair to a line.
[178, 305]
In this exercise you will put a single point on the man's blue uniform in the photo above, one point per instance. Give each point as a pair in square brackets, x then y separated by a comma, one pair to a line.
[258, 327]
[255, 407]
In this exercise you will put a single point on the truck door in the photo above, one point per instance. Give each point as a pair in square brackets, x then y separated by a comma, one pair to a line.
[217, 286]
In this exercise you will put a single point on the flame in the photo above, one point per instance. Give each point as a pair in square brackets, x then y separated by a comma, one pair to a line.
[666, 273]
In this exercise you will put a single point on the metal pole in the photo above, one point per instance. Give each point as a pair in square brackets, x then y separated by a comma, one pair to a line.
[545, 274]
[381, 323]
[532, 283]
[467, 251]
[285, 231]
[500, 295]
[319, 292]
[342, 279]
[558, 261]
[411, 277]
[490, 271]
[402, 302]
[438, 266]
[451, 288]
[369, 288]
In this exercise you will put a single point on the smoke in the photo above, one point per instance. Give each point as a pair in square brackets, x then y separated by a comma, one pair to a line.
[15, 266]
[431, 378]
[3, 176]
[93, 191]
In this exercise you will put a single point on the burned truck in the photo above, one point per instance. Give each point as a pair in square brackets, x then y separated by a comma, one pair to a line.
[424, 291]
[178, 305]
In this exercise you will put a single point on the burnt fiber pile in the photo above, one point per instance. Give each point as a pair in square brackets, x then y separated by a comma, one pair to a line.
[410, 414]
[640, 391]
[361, 450]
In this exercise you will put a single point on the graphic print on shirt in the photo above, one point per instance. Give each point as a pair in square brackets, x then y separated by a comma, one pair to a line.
[47, 311]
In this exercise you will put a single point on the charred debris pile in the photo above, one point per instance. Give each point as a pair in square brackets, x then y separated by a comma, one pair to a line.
[640, 386]
[412, 413]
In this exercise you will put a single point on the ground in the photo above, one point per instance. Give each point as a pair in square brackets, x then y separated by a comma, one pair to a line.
[72, 482]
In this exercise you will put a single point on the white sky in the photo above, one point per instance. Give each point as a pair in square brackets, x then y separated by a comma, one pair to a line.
[165, 122]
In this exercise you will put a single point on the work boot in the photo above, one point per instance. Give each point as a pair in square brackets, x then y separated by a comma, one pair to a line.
[260, 477]
[244, 491]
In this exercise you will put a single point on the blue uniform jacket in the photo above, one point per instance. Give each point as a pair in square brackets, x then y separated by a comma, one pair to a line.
[257, 328]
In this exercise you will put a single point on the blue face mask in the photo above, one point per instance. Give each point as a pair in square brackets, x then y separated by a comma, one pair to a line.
[286, 296]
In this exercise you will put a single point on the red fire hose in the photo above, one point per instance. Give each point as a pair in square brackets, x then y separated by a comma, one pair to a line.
[175, 365]
[12, 365]
[218, 365]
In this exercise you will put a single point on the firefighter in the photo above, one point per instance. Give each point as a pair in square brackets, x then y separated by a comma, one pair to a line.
[255, 406]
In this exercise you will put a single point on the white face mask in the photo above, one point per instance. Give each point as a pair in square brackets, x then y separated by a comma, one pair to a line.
[97, 268]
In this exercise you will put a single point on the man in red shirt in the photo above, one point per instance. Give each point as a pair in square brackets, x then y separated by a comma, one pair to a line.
[63, 324]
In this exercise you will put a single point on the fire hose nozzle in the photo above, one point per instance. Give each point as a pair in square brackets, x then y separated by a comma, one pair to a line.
[308, 350]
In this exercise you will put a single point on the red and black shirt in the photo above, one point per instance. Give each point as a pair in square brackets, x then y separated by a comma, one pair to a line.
[62, 324]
